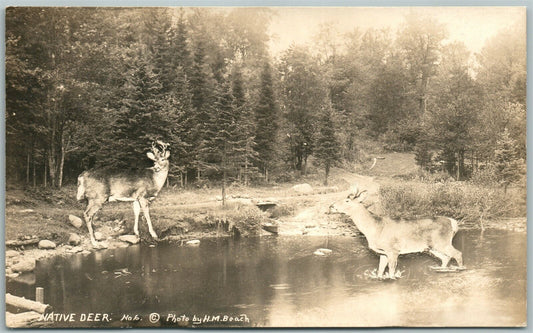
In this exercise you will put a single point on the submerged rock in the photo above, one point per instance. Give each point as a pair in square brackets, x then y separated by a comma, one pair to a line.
[322, 252]
[194, 242]
[46, 244]
[132, 239]
[75, 221]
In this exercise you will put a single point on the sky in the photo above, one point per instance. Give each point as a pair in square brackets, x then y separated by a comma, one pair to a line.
[471, 25]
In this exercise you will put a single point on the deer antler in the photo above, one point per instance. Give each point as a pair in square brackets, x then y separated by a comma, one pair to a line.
[159, 147]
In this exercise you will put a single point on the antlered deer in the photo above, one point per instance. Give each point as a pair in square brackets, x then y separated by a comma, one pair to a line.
[390, 238]
[100, 186]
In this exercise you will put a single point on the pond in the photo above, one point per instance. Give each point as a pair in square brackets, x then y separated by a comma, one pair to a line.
[278, 282]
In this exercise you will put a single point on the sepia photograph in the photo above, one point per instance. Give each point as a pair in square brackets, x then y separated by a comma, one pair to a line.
[265, 167]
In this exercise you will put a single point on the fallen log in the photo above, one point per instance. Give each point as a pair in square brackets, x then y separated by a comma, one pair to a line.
[23, 320]
[30, 241]
[27, 304]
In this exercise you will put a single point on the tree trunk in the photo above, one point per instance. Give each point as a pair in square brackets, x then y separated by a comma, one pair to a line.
[52, 168]
[62, 160]
[327, 175]
[246, 172]
[198, 174]
[45, 174]
[28, 167]
[34, 172]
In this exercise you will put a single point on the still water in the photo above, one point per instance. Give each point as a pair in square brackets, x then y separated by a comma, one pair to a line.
[278, 282]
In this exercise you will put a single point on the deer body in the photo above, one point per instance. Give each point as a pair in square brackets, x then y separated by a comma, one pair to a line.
[391, 238]
[100, 186]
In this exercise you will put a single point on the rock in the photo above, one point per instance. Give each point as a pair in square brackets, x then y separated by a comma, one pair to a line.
[46, 244]
[98, 236]
[302, 188]
[194, 242]
[132, 239]
[26, 210]
[75, 249]
[322, 252]
[26, 265]
[75, 221]
[12, 254]
[74, 239]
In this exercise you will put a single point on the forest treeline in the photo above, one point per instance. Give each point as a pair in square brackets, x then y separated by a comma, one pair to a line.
[92, 87]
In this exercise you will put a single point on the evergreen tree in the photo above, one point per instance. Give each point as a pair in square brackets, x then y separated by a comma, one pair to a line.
[138, 121]
[201, 99]
[266, 121]
[245, 141]
[327, 149]
[509, 166]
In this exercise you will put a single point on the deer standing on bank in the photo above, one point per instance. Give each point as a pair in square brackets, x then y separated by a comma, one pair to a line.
[99, 186]
[390, 238]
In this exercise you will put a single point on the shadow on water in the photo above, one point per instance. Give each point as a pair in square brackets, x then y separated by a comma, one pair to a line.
[277, 281]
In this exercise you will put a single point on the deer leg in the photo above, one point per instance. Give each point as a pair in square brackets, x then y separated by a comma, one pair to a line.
[382, 264]
[136, 212]
[455, 254]
[393, 261]
[443, 257]
[146, 213]
[88, 215]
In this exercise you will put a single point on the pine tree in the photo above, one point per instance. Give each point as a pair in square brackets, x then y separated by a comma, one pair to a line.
[327, 149]
[139, 119]
[244, 148]
[509, 166]
[266, 119]
[202, 100]
[222, 136]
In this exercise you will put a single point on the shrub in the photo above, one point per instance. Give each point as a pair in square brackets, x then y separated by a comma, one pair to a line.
[463, 201]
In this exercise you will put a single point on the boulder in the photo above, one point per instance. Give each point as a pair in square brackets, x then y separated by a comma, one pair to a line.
[12, 254]
[98, 236]
[75, 249]
[23, 266]
[194, 242]
[74, 239]
[75, 221]
[302, 188]
[132, 239]
[46, 244]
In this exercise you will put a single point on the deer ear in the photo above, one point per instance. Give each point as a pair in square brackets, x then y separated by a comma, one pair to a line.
[151, 155]
[167, 154]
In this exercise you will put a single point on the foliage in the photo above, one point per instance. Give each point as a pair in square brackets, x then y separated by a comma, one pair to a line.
[92, 87]
[469, 203]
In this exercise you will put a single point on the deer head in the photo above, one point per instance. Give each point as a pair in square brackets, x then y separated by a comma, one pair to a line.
[159, 154]
[355, 197]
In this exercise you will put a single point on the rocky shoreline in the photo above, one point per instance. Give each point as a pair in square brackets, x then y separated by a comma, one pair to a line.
[22, 260]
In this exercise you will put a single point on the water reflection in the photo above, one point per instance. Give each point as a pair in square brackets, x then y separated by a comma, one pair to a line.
[277, 281]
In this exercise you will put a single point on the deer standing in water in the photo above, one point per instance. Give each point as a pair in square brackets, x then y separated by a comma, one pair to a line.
[99, 186]
[390, 238]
